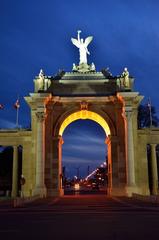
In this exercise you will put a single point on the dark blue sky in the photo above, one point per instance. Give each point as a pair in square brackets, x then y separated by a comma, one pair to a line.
[36, 34]
[84, 145]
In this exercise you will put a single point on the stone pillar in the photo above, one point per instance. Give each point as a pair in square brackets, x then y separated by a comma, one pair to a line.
[130, 148]
[115, 187]
[15, 172]
[154, 170]
[108, 142]
[130, 102]
[40, 188]
[143, 173]
[57, 167]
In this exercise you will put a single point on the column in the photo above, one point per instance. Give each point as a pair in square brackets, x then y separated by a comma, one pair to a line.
[115, 187]
[108, 142]
[130, 148]
[15, 172]
[130, 102]
[40, 188]
[57, 167]
[154, 170]
[61, 142]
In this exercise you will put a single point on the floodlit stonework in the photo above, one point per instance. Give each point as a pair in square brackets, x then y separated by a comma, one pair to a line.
[70, 96]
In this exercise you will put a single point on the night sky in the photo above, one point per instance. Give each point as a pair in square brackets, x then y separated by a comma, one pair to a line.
[36, 34]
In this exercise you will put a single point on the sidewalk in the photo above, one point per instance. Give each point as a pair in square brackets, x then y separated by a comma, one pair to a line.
[26, 202]
[6, 203]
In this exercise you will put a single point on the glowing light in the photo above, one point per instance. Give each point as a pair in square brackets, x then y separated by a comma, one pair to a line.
[77, 186]
[91, 174]
[94, 172]
[85, 114]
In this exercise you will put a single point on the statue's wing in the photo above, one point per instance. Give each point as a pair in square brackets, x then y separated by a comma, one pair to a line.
[75, 42]
[88, 40]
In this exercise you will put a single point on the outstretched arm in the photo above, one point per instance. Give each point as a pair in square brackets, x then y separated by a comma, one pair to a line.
[78, 35]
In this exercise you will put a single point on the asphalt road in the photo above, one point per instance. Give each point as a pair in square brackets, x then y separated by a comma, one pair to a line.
[81, 217]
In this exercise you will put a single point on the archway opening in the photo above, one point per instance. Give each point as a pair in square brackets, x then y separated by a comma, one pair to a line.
[84, 153]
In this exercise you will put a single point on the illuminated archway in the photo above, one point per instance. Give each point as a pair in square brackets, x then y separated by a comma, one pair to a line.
[85, 114]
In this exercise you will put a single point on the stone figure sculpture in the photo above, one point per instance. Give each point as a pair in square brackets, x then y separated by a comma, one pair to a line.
[82, 45]
[74, 69]
[41, 74]
[125, 76]
[93, 68]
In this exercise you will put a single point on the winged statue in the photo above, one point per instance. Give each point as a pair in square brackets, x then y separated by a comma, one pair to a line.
[82, 45]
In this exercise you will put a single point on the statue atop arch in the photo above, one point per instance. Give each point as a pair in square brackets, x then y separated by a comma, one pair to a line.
[83, 50]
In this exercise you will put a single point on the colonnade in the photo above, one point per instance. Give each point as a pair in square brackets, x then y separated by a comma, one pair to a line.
[40, 178]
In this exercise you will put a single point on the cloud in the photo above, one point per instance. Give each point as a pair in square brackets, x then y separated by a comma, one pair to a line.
[82, 137]
[84, 133]
[84, 148]
[76, 160]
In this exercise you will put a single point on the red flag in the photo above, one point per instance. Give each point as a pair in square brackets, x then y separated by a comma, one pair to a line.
[1, 106]
[17, 104]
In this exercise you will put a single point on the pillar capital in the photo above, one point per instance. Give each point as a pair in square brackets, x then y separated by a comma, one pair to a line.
[153, 145]
[110, 139]
[15, 146]
[130, 99]
[40, 116]
[127, 112]
[59, 139]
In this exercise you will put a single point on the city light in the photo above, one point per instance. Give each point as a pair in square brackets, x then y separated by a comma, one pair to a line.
[94, 172]
[77, 186]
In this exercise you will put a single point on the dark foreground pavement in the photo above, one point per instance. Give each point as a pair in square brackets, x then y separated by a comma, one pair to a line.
[81, 217]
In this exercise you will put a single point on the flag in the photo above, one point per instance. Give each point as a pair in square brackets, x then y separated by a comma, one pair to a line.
[1, 106]
[17, 104]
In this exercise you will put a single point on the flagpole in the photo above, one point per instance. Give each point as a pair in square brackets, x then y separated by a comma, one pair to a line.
[150, 111]
[17, 118]
[17, 105]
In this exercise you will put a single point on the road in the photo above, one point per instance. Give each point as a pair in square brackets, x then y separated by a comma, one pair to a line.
[81, 217]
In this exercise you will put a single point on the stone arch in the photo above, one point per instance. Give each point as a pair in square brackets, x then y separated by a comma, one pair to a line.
[98, 116]
[108, 126]
[84, 114]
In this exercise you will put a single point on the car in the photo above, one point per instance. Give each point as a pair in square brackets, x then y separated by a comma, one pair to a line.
[95, 186]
